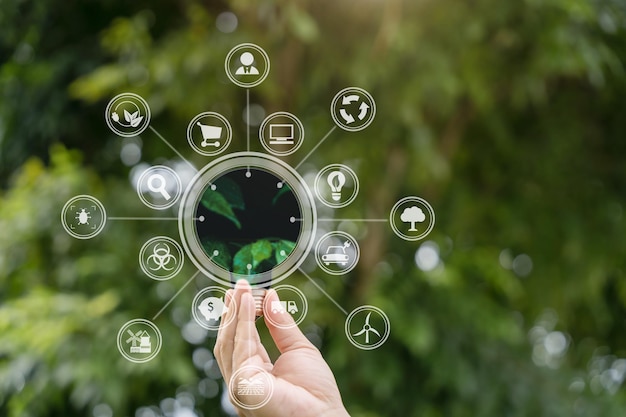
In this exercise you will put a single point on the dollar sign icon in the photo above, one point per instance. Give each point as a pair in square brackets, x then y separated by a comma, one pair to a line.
[212, 308]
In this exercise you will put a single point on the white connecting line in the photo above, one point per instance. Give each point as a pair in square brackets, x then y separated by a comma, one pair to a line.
[324, 292]
[173, 149]
[175, 295]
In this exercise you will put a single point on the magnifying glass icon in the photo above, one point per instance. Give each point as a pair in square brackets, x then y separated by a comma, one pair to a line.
[158, 178]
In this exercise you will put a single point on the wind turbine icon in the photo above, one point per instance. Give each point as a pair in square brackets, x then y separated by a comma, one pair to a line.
[367, 328]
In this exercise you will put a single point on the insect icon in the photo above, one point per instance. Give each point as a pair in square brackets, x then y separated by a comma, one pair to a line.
[83, 216]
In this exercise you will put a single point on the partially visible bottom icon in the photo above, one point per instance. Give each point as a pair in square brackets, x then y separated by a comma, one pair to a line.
[139, 340]
[251, 387]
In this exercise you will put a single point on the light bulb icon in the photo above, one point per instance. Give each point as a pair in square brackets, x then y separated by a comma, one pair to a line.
[336, 181]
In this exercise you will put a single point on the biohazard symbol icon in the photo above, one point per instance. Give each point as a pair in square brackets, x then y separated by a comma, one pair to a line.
[161, 258]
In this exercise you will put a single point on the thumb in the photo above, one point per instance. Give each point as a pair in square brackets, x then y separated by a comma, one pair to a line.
[283, 329]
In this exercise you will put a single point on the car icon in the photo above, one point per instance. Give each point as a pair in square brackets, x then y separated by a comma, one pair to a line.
[335, 255]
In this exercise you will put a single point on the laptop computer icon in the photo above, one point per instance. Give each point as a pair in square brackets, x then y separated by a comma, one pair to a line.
[281, 134]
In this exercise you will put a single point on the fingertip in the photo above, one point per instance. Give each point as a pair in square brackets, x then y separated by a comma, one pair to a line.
[242, 284]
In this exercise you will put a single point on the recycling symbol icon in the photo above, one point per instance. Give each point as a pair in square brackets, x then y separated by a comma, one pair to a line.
[353, 109]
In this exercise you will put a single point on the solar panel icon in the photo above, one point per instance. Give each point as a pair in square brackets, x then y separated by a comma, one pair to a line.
[281, 134]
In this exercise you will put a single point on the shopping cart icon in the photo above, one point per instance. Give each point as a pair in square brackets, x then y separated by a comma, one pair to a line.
[210, 133]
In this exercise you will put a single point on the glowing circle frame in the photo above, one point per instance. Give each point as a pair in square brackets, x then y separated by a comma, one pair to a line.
[246, 160]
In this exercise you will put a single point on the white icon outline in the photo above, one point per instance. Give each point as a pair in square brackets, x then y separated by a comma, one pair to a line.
[200, 296]
[324, 261]
[366, 328]
[134, 99]
[82, 215]
[222, 144]
[233, 386]
[239, 48]
[418, 201]
[143, 260]
[123, 333]
[297, 136]
[269, 310]
[147, 179]
[367, 110]
[321, 180]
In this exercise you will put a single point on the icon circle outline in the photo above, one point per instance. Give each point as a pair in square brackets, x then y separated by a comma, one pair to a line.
[338, 167]
[221, 148]
[384, 336]
[294, 119]
[305, 307]
[144, 322]
[247, 368]
[195, 304]
[179, 265]
[153, 170]
[417, 200]
[345, 235]
[262, 76]
[145, 123]
[364, 95]
[93, 200]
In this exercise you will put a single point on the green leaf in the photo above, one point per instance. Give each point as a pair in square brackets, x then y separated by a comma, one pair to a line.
[261, 250]
[223, 258]
[283, 249]
[231, 192]
[252, 254]
[282, 191]
[216, 202]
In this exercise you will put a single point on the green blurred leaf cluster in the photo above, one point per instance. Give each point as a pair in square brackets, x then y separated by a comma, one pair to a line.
[246, 259]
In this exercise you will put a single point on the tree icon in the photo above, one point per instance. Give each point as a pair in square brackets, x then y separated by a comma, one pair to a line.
[413, 215]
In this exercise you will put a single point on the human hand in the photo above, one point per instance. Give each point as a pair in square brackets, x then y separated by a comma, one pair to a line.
[303, 384]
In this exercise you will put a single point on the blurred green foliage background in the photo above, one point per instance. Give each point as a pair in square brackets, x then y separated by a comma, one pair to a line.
[507, 116]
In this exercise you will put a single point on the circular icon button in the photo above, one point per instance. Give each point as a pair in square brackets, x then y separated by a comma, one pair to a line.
[336, 185]
[367, 327]
[209, 305]
[83, 217]
[209, 133]
[251, 387]
[159, 187]
[247, 65]
[281, 133]
[412, 218]
[291, 302]
[353, 109]
[127, 115]
[337, 253]
[139, 340]
[161, 258]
